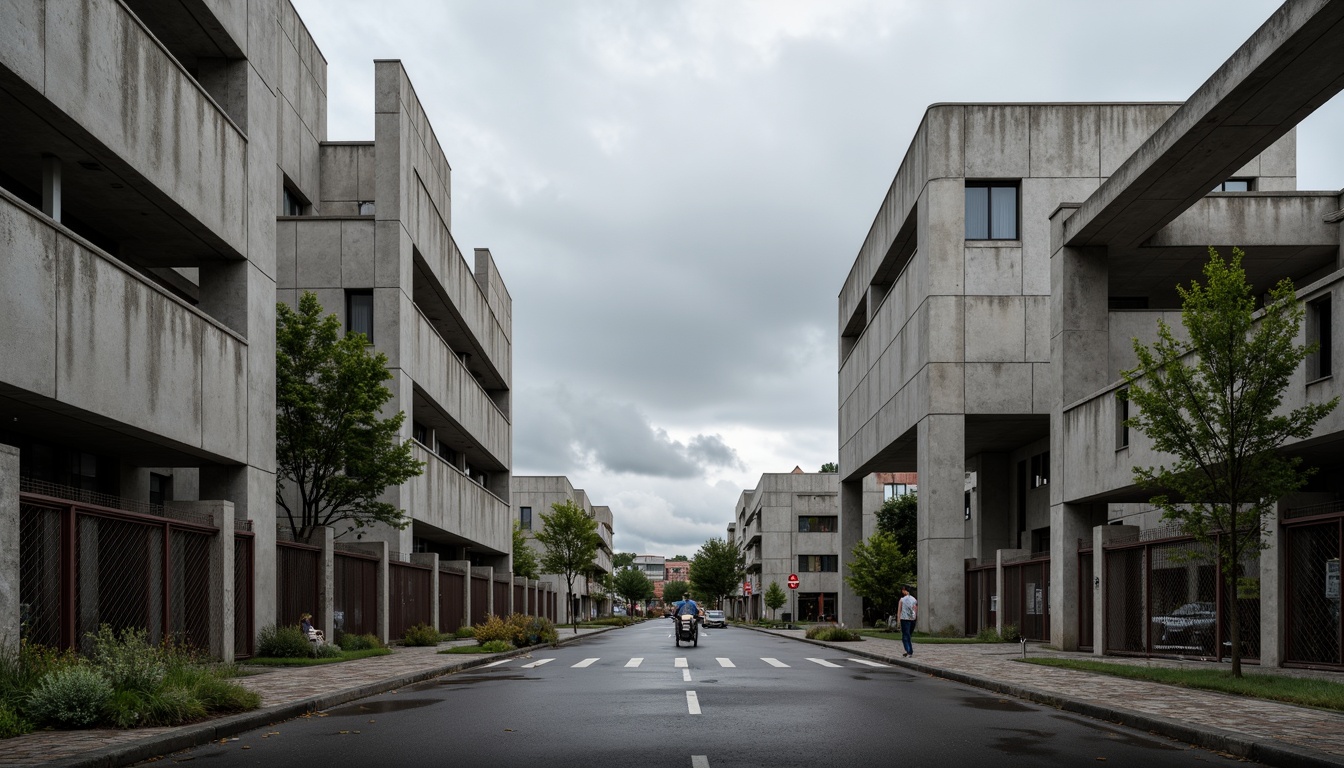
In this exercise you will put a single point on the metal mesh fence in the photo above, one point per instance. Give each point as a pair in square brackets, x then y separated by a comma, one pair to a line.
[981, 584]
[1125, 601]
[1313, 594]
[296, 570]
[119, 576]
[355, 604]
[1182, 590]
[408, 596]
[191, 569]
[40, 573]
[244, 629]
[451, 600]
[1246, 599]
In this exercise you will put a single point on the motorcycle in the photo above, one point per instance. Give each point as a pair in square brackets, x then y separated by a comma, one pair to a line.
[687, 630]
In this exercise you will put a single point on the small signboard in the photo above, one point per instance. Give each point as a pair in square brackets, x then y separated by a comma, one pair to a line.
[746, 587]
[1332, 579]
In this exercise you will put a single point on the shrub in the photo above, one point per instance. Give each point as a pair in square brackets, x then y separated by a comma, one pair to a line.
[69, 697]
[213, 688]
[12, 723]
[493, 628]
[988, 635]
[1011, 633]
[464, 632]
[421, 635]
[531, 630]
[496, 646]
[283, 643]
[360, 642]
[831, 633]
[326, 651]
[22, 666]
[127, 660]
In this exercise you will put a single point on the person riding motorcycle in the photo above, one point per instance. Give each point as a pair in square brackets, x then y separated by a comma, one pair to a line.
[686, 606]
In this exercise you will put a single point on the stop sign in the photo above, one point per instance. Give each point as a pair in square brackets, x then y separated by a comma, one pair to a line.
[746, 587]
[793, 581]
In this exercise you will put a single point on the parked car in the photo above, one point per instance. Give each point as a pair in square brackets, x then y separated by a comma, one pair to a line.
[1188, 628]
[618, 611]
[715, 619]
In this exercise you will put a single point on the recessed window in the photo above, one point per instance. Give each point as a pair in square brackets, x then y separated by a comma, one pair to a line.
[1121, 416]
[160, 488]
[892, 490]
[1236, 185]
[818, 563]
[991, 210]
[525, 518]
[419, 433]
[1040, 469]
[366, 208]
[1319, 329]
[359, 313]
[818, 524]
[291, 204]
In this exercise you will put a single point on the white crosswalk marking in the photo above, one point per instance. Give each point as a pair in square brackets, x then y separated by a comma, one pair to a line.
[584, 663]
[699, 761]
[726, 663]
[537, 663]
[867, 662]
[497, 663]
[679, 662]
[686, 675]
[693, 702]
[774, 662]
[822, 662]
[635, 662]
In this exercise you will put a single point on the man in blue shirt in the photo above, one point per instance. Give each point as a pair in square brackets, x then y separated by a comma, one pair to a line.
[686, 606]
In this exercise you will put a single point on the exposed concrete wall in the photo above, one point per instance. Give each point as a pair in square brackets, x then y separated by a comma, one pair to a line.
[447, 499]
[9, 547]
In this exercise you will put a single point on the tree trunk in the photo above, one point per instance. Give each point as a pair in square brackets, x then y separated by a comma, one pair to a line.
[1234, 625]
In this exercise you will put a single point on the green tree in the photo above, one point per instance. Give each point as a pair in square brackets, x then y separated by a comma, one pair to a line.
[775, 598]
[571, 540]
[633, 585]
[898, 517]
[1213, 404]
[717, 569]
[830, 467]
[678, 558]
[524, 556]
[622, 560]
[877, 569]
[334, 454]
[673, 590]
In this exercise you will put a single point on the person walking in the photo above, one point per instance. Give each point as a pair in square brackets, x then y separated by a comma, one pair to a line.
[909, 609]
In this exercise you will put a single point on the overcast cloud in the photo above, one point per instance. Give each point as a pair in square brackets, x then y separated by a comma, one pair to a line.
[675, 191]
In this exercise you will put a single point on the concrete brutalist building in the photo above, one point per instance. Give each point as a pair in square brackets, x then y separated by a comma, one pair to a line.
[992, 305]
[164, 179]
[532, 496]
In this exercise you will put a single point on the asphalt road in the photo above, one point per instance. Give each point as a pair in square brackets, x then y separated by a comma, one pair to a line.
[741, 698]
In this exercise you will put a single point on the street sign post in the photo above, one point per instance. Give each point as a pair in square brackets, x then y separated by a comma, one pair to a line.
[793, 581]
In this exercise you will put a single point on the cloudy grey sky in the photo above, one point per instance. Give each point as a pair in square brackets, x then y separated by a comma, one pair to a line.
[675, 191]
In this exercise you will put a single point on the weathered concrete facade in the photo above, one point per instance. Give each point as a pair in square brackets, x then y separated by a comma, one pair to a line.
[990, 363]
[532, 496]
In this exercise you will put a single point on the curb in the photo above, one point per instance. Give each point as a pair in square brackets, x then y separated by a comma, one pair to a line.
[196, 734]
[1268, 752]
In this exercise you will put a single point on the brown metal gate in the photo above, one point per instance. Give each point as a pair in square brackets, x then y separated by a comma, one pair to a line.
[244, 604]
[451, 600]
[501, 595]
[1313, 540]
[1085, 601]
[355, 602]
[981, 598]
[519, 599]
[408, 597]
[480, 597]
[296, 571]
[1025, 601]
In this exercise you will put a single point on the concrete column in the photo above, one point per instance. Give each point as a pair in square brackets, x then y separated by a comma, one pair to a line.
[9, 547]
[325, 610]
[1068, 524]
[489, 574]
[222, 604]
[1079, 318]
[850, 609]
[430, 559]
[51, 186]
[1272, 593]
[999, 557]
[1101, 536]
[941, 538]
[252, 492]
[465, 567]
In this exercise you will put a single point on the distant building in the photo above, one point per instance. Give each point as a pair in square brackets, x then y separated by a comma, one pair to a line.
[534, 495]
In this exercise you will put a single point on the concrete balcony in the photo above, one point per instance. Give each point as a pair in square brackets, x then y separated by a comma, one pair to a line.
[127, 103]
[441, 375]
[448, 500]
[93, 349]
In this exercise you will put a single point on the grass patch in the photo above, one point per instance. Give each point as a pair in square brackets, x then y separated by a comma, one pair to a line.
[308, 661]
[476, 649]
[1303, 691]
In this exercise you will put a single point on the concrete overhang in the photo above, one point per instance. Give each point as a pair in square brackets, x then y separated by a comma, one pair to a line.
[1289, 67]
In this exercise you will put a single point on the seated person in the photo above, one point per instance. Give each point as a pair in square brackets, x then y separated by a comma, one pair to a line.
[313, 634]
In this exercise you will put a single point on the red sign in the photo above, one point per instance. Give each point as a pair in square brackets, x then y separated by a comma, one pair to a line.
[746, 587]
[793, 581]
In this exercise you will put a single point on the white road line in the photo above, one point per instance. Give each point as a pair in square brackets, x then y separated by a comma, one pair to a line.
[686, 675]
[537, 663]
[497, 663]
[726, 663]
[822, 662]
[699, 761]
[679, 662]
[774, 662]
[584, 663]
[635, 662]
[867, 662]
[693, 702]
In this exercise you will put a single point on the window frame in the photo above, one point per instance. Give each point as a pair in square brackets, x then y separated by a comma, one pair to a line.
[1320, 320]
[525, 518]
[990, 185]
[358, 293]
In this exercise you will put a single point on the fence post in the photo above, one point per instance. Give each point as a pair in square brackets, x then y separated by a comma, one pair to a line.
[430, 559]
[223, 603]
[9, 546]
[465, 567]
[1272, 594]
[326, 583]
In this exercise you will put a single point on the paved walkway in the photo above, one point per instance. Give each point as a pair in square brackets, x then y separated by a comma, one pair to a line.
[1278, 734]
[1271, 732]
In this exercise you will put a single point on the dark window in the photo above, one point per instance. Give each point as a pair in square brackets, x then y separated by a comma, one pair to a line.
[1319, 332]
[967, 503]
[160, 488]
[1127, 302]
[1040, 540]
[359, 313]
[816, 606]
[419, 432]
[1236, 185]
[818, 563]
[1021, 498]
[446, 453]
[292, 204]
[1121, 416]
[525, 518]
[892, 490]
[991, 210]
[1040, 469]
[818, 524]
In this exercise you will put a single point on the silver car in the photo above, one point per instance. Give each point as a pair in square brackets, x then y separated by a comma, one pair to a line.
[715, 619]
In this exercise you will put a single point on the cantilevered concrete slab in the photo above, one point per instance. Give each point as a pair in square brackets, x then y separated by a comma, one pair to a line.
[1293, 64]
